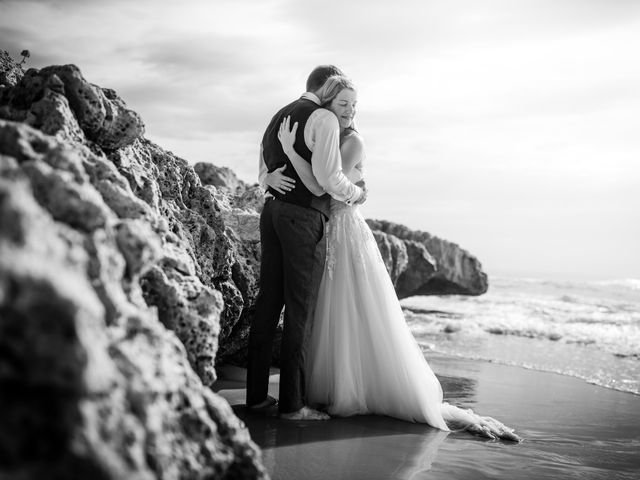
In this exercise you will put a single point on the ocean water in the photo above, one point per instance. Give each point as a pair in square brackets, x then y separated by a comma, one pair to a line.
[589, 330]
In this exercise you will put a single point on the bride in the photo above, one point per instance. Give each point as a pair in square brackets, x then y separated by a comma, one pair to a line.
[363, 358]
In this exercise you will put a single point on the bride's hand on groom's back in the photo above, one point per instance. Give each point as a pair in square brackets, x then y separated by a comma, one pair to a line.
[287, 135]
[279, 181]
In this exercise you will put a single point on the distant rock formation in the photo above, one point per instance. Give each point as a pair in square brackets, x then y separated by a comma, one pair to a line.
[434, 266]
[126, 275]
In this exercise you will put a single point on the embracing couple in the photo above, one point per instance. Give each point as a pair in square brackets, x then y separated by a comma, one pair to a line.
[346, 348]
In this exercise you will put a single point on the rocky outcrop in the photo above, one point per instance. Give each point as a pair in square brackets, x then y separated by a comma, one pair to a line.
[433, 267]
[116, 282]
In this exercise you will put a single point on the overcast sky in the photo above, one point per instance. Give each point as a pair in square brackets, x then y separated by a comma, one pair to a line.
[510, 127]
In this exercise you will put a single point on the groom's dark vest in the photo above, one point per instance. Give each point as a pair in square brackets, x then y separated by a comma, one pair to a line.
[274, 156]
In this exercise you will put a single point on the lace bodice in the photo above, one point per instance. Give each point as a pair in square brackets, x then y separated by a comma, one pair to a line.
[347, 219]
[346, 224]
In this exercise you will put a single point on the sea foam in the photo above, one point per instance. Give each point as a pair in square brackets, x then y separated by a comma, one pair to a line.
[585, 329]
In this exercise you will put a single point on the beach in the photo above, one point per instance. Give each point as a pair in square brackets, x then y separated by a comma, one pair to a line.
[571, 429]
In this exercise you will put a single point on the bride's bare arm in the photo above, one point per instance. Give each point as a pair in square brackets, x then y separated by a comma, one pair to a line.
[352, 152]
[303, 168]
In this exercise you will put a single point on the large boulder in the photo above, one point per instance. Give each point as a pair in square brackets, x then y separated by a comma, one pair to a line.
[103, 169]
[116, 280]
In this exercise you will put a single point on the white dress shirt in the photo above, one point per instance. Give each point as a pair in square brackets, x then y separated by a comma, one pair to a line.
[322, 137]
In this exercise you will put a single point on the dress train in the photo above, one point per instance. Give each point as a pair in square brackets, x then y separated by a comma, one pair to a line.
[363, 358]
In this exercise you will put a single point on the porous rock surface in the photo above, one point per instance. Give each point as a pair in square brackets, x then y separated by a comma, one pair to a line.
[116, 268]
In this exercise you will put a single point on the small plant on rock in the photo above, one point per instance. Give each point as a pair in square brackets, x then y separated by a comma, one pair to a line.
[25, 54]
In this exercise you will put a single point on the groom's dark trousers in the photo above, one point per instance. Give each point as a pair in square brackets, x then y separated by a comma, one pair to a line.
[293, 253]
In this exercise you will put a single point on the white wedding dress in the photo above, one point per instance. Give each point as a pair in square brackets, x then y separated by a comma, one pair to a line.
[363, 358]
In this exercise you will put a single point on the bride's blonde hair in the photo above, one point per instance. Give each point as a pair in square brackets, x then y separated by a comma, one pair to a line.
[332, 87]
[330, 90]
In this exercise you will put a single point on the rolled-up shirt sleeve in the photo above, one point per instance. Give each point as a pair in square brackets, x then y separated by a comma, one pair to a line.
[262, 171]
[324, 143]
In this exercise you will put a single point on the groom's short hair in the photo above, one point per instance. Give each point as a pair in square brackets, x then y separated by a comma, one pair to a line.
[319, 75]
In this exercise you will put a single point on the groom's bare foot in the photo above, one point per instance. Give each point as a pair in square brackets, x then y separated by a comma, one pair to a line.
[264, 405]
[305, 413]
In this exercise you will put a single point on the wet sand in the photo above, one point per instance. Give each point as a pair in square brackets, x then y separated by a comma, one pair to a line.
[571, 429]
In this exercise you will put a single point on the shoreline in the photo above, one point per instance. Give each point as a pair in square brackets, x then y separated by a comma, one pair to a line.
[570, 332]
[571, 429]
[435, 355]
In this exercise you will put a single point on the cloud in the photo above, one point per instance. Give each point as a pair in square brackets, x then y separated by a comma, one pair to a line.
[497, 124]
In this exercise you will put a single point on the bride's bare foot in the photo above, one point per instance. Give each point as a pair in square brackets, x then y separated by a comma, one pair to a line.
[264, 405]
[305, 413]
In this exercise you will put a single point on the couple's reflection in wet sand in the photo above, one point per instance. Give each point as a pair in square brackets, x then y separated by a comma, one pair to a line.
[364, 446]
[357, 447]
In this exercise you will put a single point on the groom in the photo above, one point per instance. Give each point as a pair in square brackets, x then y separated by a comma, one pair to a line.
[292, 228]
